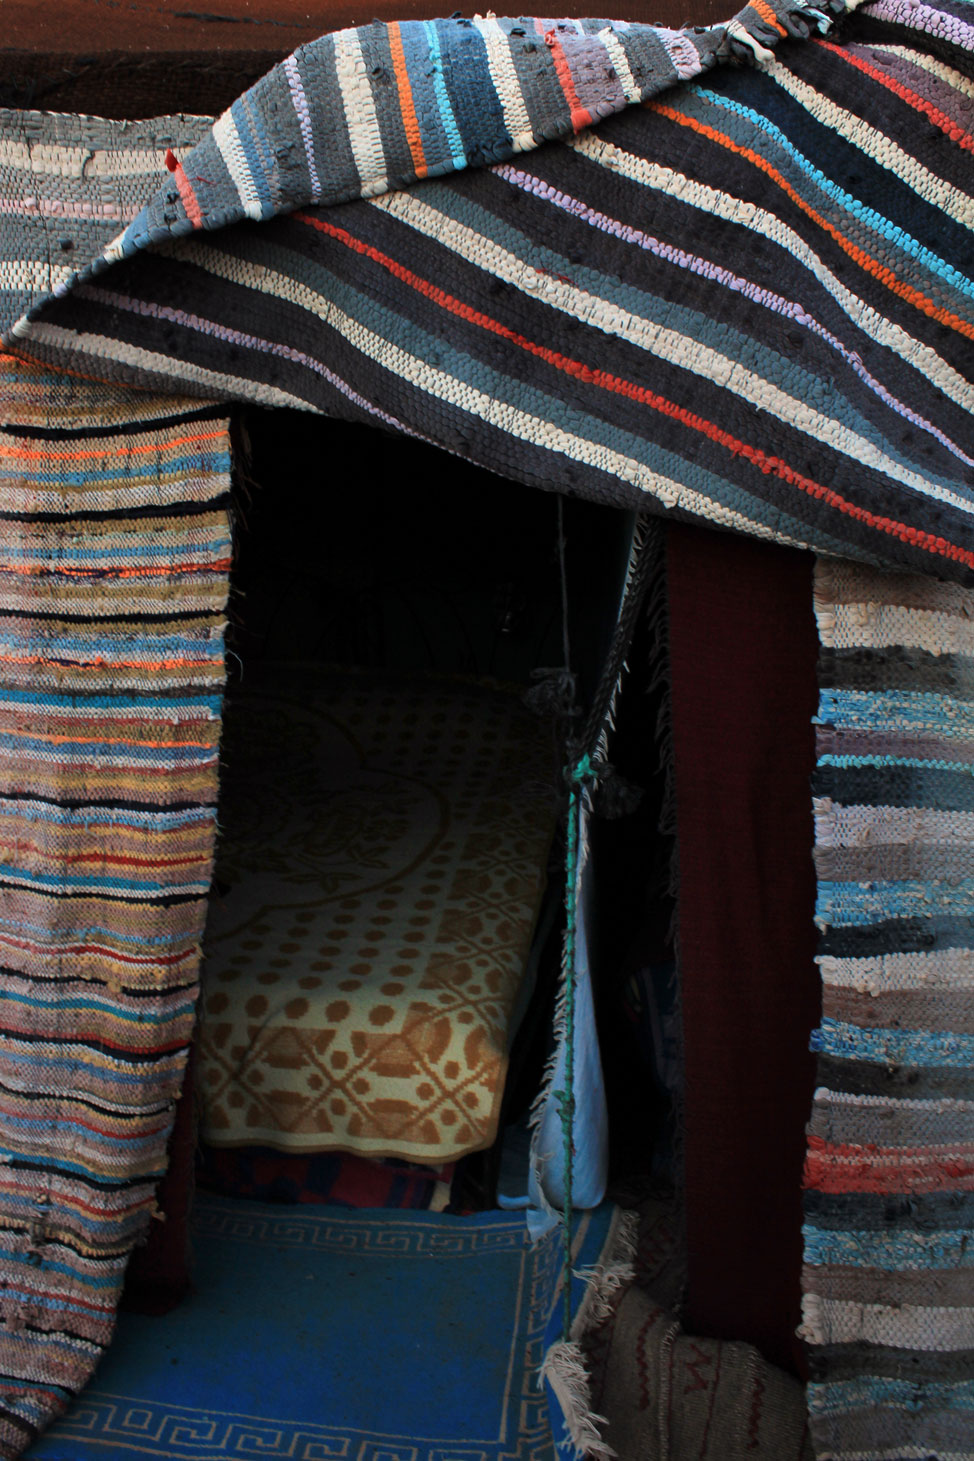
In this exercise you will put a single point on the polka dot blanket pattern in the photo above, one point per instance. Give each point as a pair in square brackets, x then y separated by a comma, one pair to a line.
[384, 853]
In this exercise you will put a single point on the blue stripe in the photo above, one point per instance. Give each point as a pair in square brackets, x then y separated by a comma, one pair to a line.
[868, 1391]
[63, 880]
[941, 715]
[201, 464]
[902, 1249]
[854, 904]
[81, 700]
[886, 229]
[240, 114]
[130, 1017]
[108, 816]
[124, 552]
[109, 749]
[892, 1047]
[453, 138]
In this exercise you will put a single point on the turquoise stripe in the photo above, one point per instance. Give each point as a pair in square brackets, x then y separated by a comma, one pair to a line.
[892, 1047]
[137, 1016]
[58, 880]
[107, 816]
[200, 464]
[946, 716]
[916, 763]
[891, 232]
[846, 904]
[60, 1164]
[80, 700]
[892, 1250]
[866, 1392]
[457, 155]
[124, 552]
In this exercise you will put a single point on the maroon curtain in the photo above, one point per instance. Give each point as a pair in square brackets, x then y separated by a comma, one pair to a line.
[743, 660]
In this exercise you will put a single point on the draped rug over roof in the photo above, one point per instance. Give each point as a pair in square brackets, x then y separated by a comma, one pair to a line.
[748, 301]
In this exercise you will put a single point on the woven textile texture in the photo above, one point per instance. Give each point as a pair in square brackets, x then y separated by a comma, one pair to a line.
[384, 850]
[114, 549]
[750, 301]
[889, 1287]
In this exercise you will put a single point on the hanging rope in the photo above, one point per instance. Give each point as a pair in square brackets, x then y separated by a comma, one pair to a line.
[584, 772]
[580, 777]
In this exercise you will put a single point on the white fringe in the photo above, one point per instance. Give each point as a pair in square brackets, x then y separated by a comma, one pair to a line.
[564, 1365]
[564, 1369]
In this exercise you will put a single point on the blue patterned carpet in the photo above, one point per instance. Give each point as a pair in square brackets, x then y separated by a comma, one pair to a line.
[318, 1333]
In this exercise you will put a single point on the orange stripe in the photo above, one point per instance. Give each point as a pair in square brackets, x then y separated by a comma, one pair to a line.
[768, 464]
[23, 454]
[190, 202]
[767, 15]
[865, 261]
[105, 740]
[409, 117]
[581, 118]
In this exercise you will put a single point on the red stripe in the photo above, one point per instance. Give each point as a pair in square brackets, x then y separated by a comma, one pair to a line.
[769, 465]
[190, 202]
[955, 132]
[835, 1168]
[581, 117]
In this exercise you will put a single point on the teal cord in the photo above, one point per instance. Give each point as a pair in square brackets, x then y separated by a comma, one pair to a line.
[580, 776]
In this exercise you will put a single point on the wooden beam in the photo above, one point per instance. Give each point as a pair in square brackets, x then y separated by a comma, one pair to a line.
[143, 58]
[148, 27]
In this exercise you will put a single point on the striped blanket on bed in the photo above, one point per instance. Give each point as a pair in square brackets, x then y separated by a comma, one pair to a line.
[746, 296]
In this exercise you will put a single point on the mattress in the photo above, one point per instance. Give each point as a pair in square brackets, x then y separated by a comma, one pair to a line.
[382, 859]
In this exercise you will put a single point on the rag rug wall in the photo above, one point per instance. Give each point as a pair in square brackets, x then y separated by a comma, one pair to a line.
[748, 301]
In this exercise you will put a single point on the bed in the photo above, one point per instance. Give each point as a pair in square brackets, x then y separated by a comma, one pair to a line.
[382, 861]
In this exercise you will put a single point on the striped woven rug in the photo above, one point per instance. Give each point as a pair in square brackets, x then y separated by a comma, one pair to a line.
[749, 300]
[114, 553]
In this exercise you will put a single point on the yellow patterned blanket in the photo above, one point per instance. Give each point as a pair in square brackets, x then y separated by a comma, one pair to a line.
[381, 867]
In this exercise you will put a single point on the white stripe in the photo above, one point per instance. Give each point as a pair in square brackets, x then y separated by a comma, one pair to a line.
[620, 61]
[167, 367]
[768, 225]
[877, 145]
[725, 371]
[681, 51]
[503, 73]
[909, 1326]
[364, 135]
[879, 626]
[944, 969]
[940, 1106]
[956, 80]
[852, 826]
[438, 384]
[49, 159]
[227, 138]
[33, 276]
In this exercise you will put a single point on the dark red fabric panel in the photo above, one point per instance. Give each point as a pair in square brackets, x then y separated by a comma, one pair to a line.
[743, 658]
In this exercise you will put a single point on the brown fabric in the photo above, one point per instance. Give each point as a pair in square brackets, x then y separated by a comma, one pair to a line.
[743, 655]
[670, 1396]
